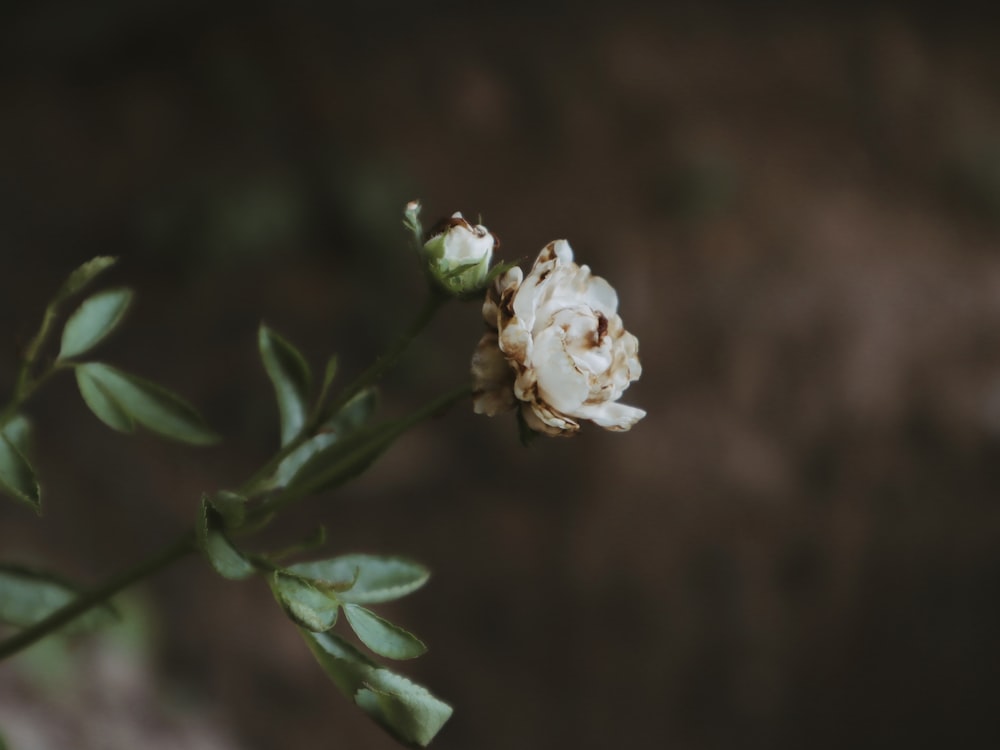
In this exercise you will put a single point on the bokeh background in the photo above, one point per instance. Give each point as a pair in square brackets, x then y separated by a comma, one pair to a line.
[800, 208]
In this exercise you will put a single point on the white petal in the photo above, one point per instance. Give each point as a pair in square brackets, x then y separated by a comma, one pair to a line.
[560, 383]
[611, 415]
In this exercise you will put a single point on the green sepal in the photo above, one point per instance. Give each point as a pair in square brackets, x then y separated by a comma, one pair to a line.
[367, 579]
[291, 377]
[408, 711]
[381, 636]
[17, 477]
[411, 220]
[93, 320]
[28, 596]
[122, 400]
[497, 270]
[308, 605]
[228, 561]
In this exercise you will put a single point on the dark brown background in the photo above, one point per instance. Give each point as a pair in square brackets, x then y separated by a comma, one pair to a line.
[800, 209]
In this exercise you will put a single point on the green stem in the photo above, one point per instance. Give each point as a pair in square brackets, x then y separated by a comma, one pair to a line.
[380, 366]
[361, 454]
[165, 557]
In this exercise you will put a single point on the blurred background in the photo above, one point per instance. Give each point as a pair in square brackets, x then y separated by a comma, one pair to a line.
[800, 208]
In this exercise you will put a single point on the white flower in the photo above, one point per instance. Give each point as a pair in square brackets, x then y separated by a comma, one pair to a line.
[559, 348]
[459, 254]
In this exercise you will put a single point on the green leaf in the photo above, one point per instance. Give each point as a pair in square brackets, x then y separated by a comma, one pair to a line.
[231, 507]
[307, 604]
[28, 596]
[291, 378]
[83, 275]
[93, 320]
[17, 478]
[382, 636]
[120, 400]
[294, 461]
[376, 578]
[408, 711]
[354, 414]
[18, 431]
[329, 373]
[224, 557]
[340, 461]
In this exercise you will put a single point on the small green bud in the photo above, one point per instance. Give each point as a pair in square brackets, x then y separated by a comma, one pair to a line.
[459, 254]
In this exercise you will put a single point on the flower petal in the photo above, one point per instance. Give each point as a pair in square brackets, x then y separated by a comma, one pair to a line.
[492, 378]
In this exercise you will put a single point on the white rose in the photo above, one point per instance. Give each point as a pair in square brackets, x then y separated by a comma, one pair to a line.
[559, 348]
[459, 254]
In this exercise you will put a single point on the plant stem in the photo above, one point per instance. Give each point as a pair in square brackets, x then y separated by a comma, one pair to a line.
[360, 456]
[186, 544]
[435, 300]
[162, 559]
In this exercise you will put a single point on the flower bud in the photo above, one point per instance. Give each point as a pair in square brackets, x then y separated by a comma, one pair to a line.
[459, 254]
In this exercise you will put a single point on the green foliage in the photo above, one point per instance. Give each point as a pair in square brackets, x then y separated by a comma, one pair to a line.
[382, 636]
[29, 596]
[290, 375]
[121, 401]
[309, 604]
[231, 507]
[17, 478]
[367, 579]
[228, 561]
[408, 711]
[96, 317]
[354, 414]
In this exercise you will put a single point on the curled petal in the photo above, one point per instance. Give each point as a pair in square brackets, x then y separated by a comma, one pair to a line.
[567, 354]
[492, 378]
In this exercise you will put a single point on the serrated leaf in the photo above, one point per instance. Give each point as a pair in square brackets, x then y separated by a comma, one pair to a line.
[29, 596]
[120, 400]
[228, 561]
[308, 605]
[290, 375]
[376, 578]
[381, 636]
[17, 478]
[408, 711]
[83, 275]
[93, 320]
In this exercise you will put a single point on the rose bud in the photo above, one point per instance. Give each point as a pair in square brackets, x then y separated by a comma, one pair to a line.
[459, 254]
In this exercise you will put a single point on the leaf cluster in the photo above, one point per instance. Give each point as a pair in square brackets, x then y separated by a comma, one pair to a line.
[119, 399]
[323, 443]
